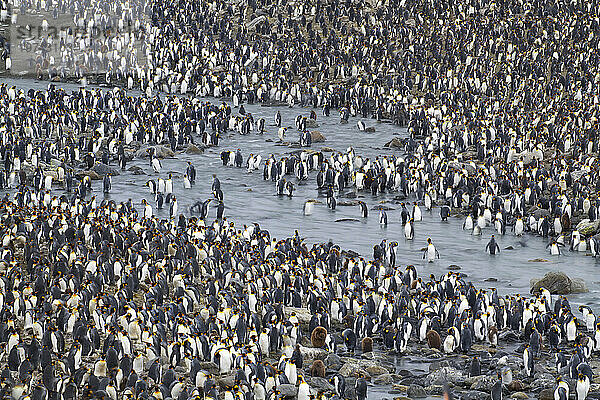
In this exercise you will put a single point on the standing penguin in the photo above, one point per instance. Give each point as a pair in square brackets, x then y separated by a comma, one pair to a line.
[475, 368]
[445, 212]
[528, 362]
[562, 389]
[107, 183]
[190, 172]
[364, 211]
[430, 252]
[554, 249]
[383, 220]
[409, 230]
[492, 247]
[583, 386]
[497, 389]
[361, 388]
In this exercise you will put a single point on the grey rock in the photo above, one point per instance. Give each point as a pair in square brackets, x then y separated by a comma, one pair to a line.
[416, 392]
[136, 170]
[395, 143]
[302, 314]
[288, 390]
[443, 375]
[350, 369]
[384, 379]
[209, 366]
[311, 123]
[91, 173]
[193, 149]
[475, 395]
[317, 137]
[320, 384]
[226, 381]
[160, 151]
[542, 381]
[252, 24]
[546, 394]
[353, 367]
[587, 228]
[313, 353]
[558, 283]
[435, 390]
[483, 383]
[103, 169]
[333, 361]
[375, 370]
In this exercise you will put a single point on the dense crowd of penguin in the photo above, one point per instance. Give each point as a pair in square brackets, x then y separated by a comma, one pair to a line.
[106, 300]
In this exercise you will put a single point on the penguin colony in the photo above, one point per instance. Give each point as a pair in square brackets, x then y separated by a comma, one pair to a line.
[100, 300]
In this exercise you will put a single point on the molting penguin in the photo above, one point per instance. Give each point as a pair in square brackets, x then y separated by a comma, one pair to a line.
[318, 336]
[318, 369]
[367, 345]
[434, 341]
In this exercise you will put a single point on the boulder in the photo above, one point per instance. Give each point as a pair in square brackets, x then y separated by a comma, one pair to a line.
[515, 386]
[136, 170]
[302, 314]
[252, 24]
[529, 156]
[91, 173]
[375, 370]
[226, 381]
[519, 396]
[445, 374]
[312, 353]
[320, 384]
[317, 137]
[416, 392]
[287, 390]
[558, 283]
[333, 361]
[311, 123]
[385, 379]
[475, 395]
[538, 212]
[193, 149]
[350, 368]
[103, 169]
[209, 366]
[588, 228]
[160, 151]
[395, 143]
[546, 394]
[483, 383]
